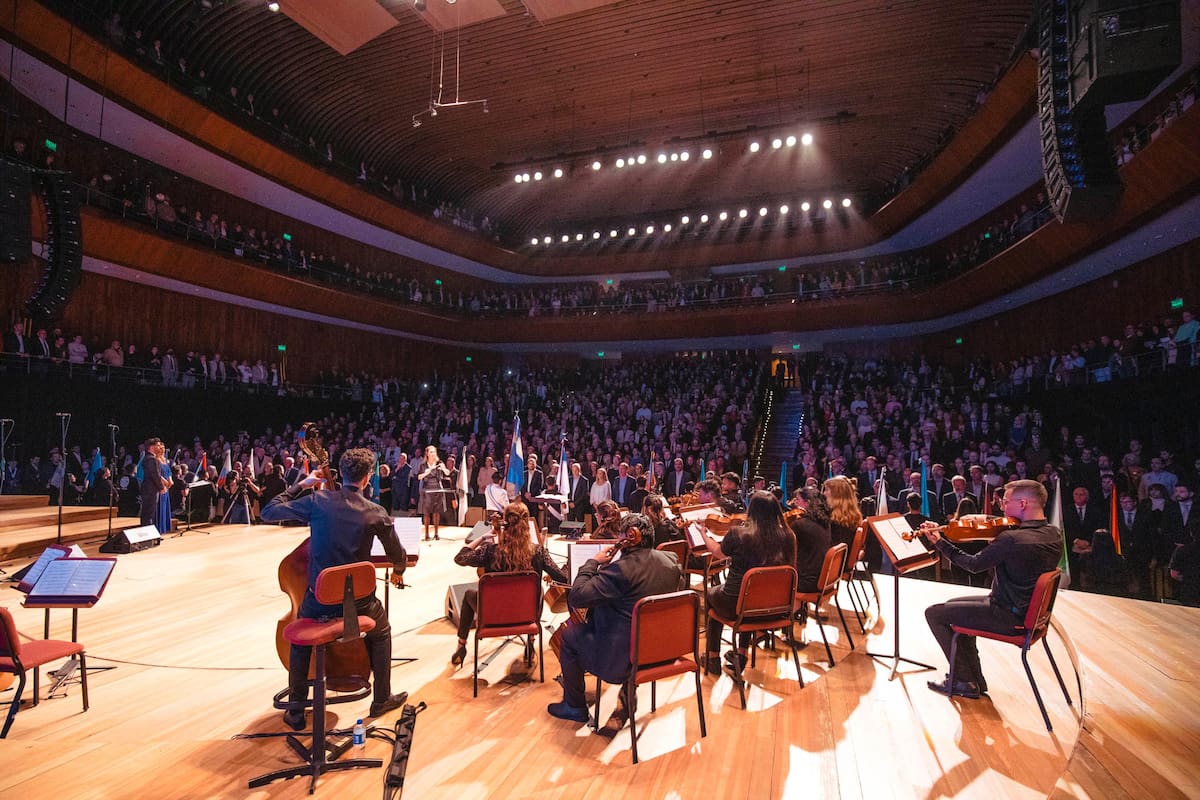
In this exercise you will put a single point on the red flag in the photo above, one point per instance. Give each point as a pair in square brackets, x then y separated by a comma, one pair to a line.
[987, 498]
[650, 477]
[203, 468]
[1114, 522]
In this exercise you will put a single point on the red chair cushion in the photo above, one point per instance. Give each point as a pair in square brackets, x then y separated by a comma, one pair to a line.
[658, 672]
[1015, 638]
[40, 651]
[313, 632]
[506, 630]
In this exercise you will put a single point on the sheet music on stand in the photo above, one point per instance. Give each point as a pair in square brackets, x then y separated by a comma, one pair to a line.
[895, 535]
[578, 554]
[51, 553]
[71, 582]
[408, 531]
[695, 536]
[699, 513]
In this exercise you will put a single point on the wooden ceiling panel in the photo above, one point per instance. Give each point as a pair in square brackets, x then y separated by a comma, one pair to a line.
[547, 10]
[345, 26]
[877, 83]
[443, 16]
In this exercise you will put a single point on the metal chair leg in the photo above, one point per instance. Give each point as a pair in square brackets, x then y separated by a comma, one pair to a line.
[1036, 694]
[824, 638]
[630, 690]
[796, 660]
[475, 674]
[845, 628]
[700, 703]
[15, 705]
[1061, 683]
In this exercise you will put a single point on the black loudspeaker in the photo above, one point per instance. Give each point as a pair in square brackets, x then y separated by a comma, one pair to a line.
[1077, 161]
[15, 212]
[571, 530]
[133, 540]
[63, 266]
[454, 599]
[1122, 49]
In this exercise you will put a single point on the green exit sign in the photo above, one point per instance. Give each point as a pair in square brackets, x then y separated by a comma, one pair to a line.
[1176, 303]
[600, 354]
[468, 359]
[51, 146]
[783, 267]
[958, 340]
[282, 348]
[287, 237]
[437, 282]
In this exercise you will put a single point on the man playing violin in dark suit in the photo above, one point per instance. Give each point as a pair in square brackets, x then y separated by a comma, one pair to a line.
[1016, 558]
[609, 589]
[343, 525]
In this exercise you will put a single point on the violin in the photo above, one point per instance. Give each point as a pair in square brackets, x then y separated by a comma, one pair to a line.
[347, 666]
[720, 523]
[976, 527]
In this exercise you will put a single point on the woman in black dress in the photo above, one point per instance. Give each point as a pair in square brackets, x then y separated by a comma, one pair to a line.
[514, 551]
[431, 502]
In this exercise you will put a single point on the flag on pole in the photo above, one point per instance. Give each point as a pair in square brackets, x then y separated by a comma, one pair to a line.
[703, 472]
[462, 488]
[202, 469]
[783, 478]
[881, 496]
[1114, 521]
[650, 474]
[516, 457]
[97, 465]
[746, 471]
[1055, 518]
[304, 466]
[226, 468]
[375, 479]
[924, 490]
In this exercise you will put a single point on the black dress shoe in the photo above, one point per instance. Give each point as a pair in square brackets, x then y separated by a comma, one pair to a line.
[711, 664]
[391, 704]
[736, 661]
[294, 719]
[569, 713]
[460, 655]
[965, 689]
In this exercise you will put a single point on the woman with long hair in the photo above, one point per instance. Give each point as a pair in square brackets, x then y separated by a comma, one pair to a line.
[431, 501]
[764, 540]
[601, 490]
[844, 513]
[483, 476]
[813, 538]
[608, 521]
[513, 551]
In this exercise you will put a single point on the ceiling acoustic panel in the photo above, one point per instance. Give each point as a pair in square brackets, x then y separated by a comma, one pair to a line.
[345, 25]
[443, 16]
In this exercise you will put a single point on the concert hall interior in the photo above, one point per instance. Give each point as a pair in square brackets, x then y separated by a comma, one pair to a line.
[673, 305]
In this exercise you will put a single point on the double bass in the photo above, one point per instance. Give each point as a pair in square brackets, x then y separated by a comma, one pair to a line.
[347, 667]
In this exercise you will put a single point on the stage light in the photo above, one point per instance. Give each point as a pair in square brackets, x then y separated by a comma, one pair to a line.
[685, 155]
[612, 234]
[596, 165]
[674, 156]
[595, 235]
[776, 143]
[273, 7]
[631, 231]
[662, 158]
[828, 204]
[537, 176]
[845, 202]
[754, 147]
[791, 141]
[642, 158]
[783, 209]
[534, 240]
[579, 237]
[649, 229]
[743, 213]
[565, 238]
[806, 139]
[526, 178]
[724, 215]
[704, 219]
[707, 154]
[620, 163]
[667, 228]
[684, 220]
[805, 206]
[517, 178]
[558, 173]
[762, 212]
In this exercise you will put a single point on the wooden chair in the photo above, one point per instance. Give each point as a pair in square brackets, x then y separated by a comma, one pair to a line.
[509, 605]
[17, 659]
[341, 585]
[832, 569]
[665, 632]
[765, 602]
[1037, 621]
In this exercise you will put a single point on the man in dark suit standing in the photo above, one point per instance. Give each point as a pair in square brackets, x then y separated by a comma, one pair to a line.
[867, 478]
[1081, 519]
[953, 498]
[610, 589]
[152, 481]
[623, 486]
[402, 485]
[17, 342]
[578, 492]
[677, 480]
[638, 496]
[1177, 515]
[535, 484]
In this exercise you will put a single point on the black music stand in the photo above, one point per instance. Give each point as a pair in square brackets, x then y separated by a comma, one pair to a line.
[187, 506]
[408, 531]
[907, 553]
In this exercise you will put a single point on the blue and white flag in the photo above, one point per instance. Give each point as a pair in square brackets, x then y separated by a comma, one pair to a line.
[516, 457]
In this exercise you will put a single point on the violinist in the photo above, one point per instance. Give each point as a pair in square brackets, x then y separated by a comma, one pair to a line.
[1016, 558]
[664, 530]
[343, 525]
[708, 492]
[509, 550]
[608, 521]
[609, 588]
[731, 494]
[813, 538]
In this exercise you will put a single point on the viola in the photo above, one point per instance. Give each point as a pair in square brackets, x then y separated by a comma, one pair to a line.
[977, 527]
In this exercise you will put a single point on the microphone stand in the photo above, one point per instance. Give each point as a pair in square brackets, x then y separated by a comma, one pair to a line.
[65, 422]
[5, 432]
[112, 484]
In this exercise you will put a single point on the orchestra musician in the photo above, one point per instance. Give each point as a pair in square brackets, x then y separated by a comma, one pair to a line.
[708, 492]
[343, 525]
[431, 500]
[1016, 558]
[765, 540]
[664, 529]
[512, 551]
[844, 512]
[608, 521]
[610, 589]
[731, 493]
[813, 538]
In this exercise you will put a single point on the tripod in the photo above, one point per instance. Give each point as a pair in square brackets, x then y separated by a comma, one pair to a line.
[112, 492]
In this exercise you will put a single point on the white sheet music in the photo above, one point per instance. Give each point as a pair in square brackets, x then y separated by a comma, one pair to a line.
[893, 531]
[533, 533]
[700, 514]
[408, 531]
[578, 553]
[51, 553]
[81, 578]
[695, 535]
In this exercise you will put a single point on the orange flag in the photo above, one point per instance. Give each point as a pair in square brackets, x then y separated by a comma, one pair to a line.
[1114, 522]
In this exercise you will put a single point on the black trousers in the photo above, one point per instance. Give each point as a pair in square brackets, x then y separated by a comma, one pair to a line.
[379, 648]
[725, 605]
[971, 612]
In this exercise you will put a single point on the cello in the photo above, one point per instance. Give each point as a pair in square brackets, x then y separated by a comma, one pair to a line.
[579, 616]
[347, 667]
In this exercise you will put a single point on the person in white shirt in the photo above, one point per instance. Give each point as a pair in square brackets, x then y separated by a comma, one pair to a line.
[601, 489]
[496, 496]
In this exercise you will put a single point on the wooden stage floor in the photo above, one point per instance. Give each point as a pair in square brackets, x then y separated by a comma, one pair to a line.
[189, 627]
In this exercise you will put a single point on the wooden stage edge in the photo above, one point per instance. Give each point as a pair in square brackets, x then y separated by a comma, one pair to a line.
[190, 628]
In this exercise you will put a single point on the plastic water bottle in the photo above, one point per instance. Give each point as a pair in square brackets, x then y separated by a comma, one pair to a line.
[360, 734]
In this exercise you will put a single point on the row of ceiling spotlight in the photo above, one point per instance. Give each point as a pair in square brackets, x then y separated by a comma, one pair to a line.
[663, 157]
[684, 221]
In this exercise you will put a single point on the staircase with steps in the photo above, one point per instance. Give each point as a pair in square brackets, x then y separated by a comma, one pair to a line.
[29, 522]
[779, 439]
